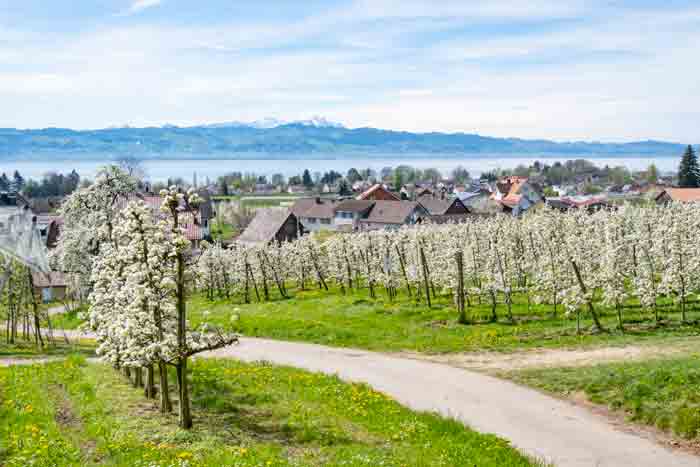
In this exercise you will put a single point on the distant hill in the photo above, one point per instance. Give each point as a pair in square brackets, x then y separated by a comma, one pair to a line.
[279, 139]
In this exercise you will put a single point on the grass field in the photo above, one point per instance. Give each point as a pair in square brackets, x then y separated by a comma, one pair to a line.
[355, 320]
[74, 413]
[222, 232]
[664, 393]
[27, 349]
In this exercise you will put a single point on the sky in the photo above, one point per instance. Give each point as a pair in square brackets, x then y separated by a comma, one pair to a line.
[595, 70]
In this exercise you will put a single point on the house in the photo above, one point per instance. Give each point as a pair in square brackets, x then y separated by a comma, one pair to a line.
[49, 286]
[682, 195]
[196, 226]
[348, 213]
[271, 225]
[315, 213]
[516, 194]
[589, 203]
[440, 207]
[49, 229]
[292, 189]
[378, 192]
[393, 214]
[265, 189]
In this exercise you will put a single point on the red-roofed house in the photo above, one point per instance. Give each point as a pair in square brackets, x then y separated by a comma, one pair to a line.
[517, 194]
[378, 192]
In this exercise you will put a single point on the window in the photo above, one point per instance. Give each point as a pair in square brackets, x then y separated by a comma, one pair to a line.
[325, 221]
[312, 220]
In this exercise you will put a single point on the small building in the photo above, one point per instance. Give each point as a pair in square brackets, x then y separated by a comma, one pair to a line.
[440, 207]
[589, 203]
[682, 195]
[49, 229]
[516, 194]
[196, 226]
[271, 225]
[378, 192]
[315, 213]
[393, 214]
[348, 213]
[49, 287]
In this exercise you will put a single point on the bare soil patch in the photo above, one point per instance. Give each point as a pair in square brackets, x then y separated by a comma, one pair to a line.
[543, 358]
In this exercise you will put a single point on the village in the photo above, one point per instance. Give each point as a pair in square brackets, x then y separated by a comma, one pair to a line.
[359, 201]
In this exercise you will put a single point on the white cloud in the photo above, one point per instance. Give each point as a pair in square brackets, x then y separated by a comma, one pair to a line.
[380, 67]
[140, 5]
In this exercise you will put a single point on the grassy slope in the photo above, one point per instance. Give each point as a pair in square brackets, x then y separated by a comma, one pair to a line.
[664, 392]
[27, 349]
[77, 414]
[356, 320]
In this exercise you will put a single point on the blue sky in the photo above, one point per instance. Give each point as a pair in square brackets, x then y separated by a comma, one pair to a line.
[565, 70]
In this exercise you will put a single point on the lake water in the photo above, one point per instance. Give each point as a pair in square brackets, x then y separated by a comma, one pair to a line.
[160, 170]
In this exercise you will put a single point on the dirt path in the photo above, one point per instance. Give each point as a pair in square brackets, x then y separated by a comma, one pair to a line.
[26, 361]
[495, 361]
[539, 425]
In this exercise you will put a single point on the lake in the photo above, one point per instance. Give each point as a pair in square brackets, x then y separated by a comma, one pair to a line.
[160, 170]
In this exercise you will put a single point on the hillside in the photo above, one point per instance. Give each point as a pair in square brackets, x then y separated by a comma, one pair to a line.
[293, 138]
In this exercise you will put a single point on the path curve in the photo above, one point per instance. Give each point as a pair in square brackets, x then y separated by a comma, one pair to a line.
[539, 425]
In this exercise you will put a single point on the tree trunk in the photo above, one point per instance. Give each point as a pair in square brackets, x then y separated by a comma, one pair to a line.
[583, 288]
[184, 412]
[424, 263]
[403, 270]
[150, 389]
[460, 288]
[494, 316]
[166, 405]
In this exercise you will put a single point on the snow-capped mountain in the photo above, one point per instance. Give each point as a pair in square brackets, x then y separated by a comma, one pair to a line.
[271, 122]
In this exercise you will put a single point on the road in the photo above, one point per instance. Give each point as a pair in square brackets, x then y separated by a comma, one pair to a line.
[539, 425]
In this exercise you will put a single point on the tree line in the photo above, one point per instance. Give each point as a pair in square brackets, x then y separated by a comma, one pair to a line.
[577, 263]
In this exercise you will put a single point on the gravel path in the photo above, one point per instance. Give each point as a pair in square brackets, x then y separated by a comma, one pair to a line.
[26, 361]
[539, 425]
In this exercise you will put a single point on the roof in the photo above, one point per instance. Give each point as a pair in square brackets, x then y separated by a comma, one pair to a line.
[354, 205]
[510, 185]
[391, 212]
[685, 195]
[570, 202]
[435, 206]
[53, 279]
[371, 190]
[314, 207]
[264, 226]
[466, 195]
[511, 200]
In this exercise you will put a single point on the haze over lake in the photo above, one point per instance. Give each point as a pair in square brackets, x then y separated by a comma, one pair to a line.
[160, 170]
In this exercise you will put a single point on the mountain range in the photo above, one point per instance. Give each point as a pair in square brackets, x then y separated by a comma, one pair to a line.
[272, 137]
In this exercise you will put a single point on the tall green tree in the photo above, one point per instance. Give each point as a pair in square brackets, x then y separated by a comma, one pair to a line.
[652, 174]
[306, 179]
[17, 181]
[344, 188]
[4, 182]
[689, 171]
